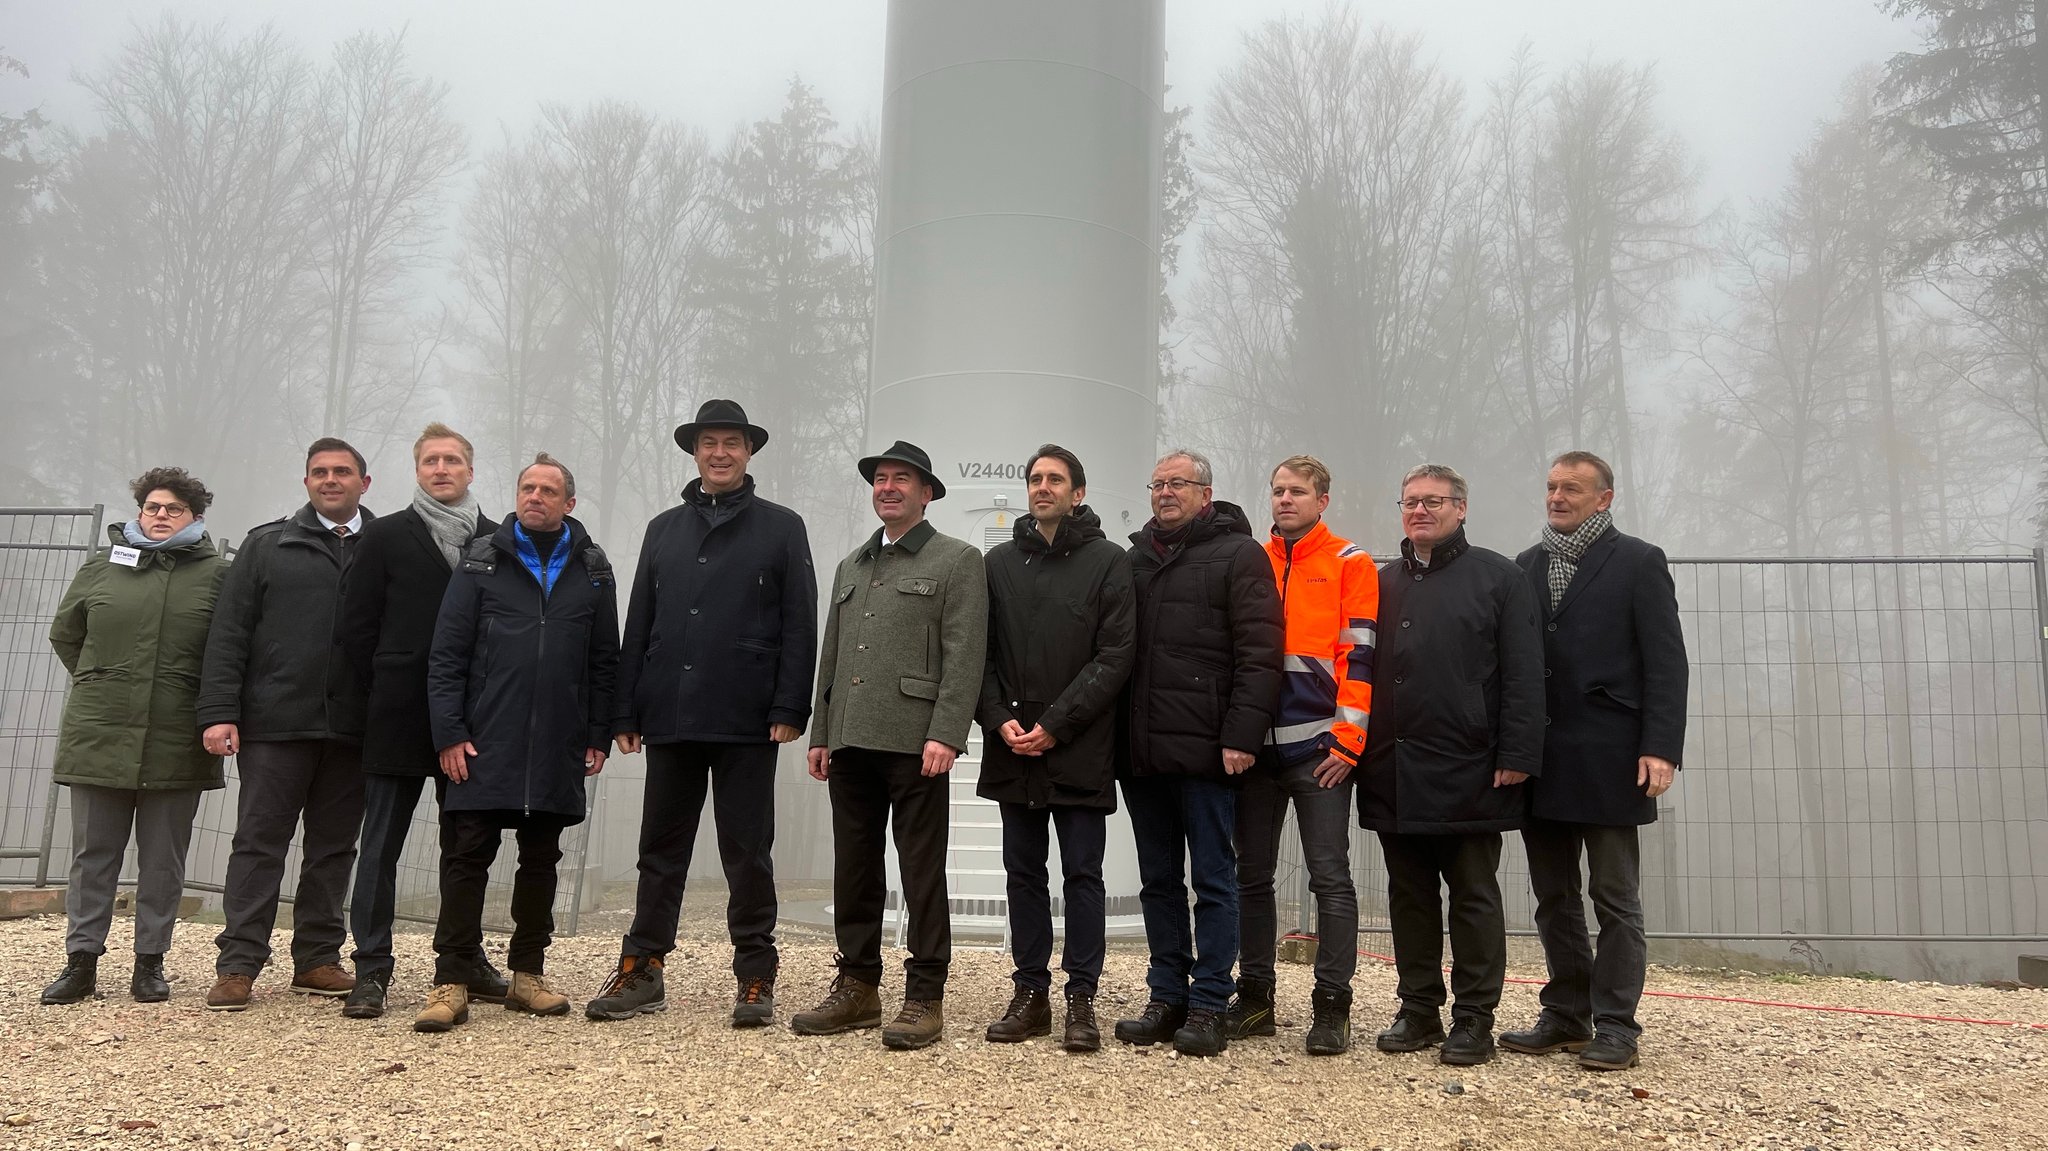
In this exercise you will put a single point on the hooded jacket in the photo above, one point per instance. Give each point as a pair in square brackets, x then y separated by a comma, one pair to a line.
[525, 673]
[1207, 675]
[1330, 596]
[1457, 694]
[132, 638]
[1061, 638]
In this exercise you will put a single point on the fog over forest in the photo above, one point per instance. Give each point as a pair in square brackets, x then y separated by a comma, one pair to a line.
[1789, 272]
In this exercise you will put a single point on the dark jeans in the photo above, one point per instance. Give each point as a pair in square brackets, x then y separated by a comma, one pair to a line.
[388, 803]
[1468, 866]
[741, 779]
[1592, 987]
[469, 845]
[870, 790]
[1171, 815]
[1323, 815]
[1084, 834]
[321, 780]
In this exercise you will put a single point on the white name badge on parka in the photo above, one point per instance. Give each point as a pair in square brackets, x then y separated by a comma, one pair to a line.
[125, 556]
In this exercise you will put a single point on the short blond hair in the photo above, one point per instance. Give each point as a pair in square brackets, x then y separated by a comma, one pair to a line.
[440, 431]
[1308, 467]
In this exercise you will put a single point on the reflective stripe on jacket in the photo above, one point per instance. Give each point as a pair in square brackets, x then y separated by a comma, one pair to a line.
[1330, 594]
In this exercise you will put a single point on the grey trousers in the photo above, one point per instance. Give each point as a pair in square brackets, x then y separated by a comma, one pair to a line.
[1323, 815]
[317, 779]
[1589, 987]
[101, 818]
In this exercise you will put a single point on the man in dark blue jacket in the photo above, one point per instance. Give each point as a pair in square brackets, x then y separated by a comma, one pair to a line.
[519, 695]
[715, 675]
[276, 691]
[1615, 670]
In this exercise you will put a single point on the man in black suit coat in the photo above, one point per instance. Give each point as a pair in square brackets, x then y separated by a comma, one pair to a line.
[390, 598]
[1615, 672]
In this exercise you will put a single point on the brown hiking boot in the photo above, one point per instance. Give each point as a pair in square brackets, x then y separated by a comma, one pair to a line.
[531, 993]
[850, 1006]
[230, 993]
[1028, 1015]
[919, 1024]
[328, 979]
[447, 1006]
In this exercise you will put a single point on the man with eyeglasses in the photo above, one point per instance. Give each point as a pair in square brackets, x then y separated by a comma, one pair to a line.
[1202, 695]
[1457, 727]
[1615, 668]
[276, 691]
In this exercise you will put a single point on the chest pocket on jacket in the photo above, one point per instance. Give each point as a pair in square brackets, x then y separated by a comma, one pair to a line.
[918, 585]
[843, 594]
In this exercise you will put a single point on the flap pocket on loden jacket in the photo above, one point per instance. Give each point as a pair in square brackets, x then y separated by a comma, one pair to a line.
[843, 594]
[921, 688]
[918, 585]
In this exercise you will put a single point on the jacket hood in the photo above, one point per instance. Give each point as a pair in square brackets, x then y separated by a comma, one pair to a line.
[1080, 526]
[1224, 517]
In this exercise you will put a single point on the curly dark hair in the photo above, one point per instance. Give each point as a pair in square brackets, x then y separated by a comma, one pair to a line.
[178, 482]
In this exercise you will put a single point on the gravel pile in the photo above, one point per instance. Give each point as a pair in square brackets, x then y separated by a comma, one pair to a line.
[291, 1072]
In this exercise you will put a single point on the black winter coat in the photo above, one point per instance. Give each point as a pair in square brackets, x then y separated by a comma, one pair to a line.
[274, 666]
[1210, 637]
[1614, 676]
[1061, 637]
[390, 598]
[1457, 693]
[722, 630]
[525, 676]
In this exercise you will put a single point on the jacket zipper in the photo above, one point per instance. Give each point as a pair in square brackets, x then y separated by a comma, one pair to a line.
[540, 660]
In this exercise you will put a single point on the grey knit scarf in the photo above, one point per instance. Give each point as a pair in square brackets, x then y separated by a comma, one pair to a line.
[1567, 550]
[451, 525]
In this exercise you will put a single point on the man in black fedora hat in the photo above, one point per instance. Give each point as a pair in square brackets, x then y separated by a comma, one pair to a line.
[715, 673]
[898, 680]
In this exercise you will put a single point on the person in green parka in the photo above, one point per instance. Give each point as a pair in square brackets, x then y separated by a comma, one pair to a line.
[131, 631]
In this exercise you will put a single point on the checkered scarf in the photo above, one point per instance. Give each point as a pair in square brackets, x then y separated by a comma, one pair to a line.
[1567, 550]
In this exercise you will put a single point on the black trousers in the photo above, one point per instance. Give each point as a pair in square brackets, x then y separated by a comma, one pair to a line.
[1592, 986]
[1468, 866]
[321, 781]
[388, 803]
[469, 845]
[870, 790]
[1027, 841]
[741, 780]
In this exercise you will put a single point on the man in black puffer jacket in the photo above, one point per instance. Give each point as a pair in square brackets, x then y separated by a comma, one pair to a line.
[1059, 650]
[1457, 726]
[1202, 698]
[519, 693]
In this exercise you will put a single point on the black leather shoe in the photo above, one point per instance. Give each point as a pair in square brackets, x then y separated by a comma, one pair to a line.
[1203, 1033]
[1470, 1044]
[147, 984]
[366, 999]
[1412, 1031]
[1251, 1012]
[1156, 1024]
[487, 984]
[78, 982]
[1609, 1052]
[1029, 1015]
[1550, 1034]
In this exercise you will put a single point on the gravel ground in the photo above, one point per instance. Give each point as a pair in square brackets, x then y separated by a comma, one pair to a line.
[291, 1072]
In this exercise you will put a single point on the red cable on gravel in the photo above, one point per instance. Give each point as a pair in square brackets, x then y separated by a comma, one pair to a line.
[1827, 1007]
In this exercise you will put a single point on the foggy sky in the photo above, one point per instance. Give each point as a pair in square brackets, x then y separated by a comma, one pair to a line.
[1744, 80]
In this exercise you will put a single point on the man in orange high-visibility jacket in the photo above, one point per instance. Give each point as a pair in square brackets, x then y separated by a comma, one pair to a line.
[1330, 594]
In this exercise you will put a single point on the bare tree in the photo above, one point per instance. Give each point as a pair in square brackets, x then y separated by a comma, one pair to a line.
[387, 148]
